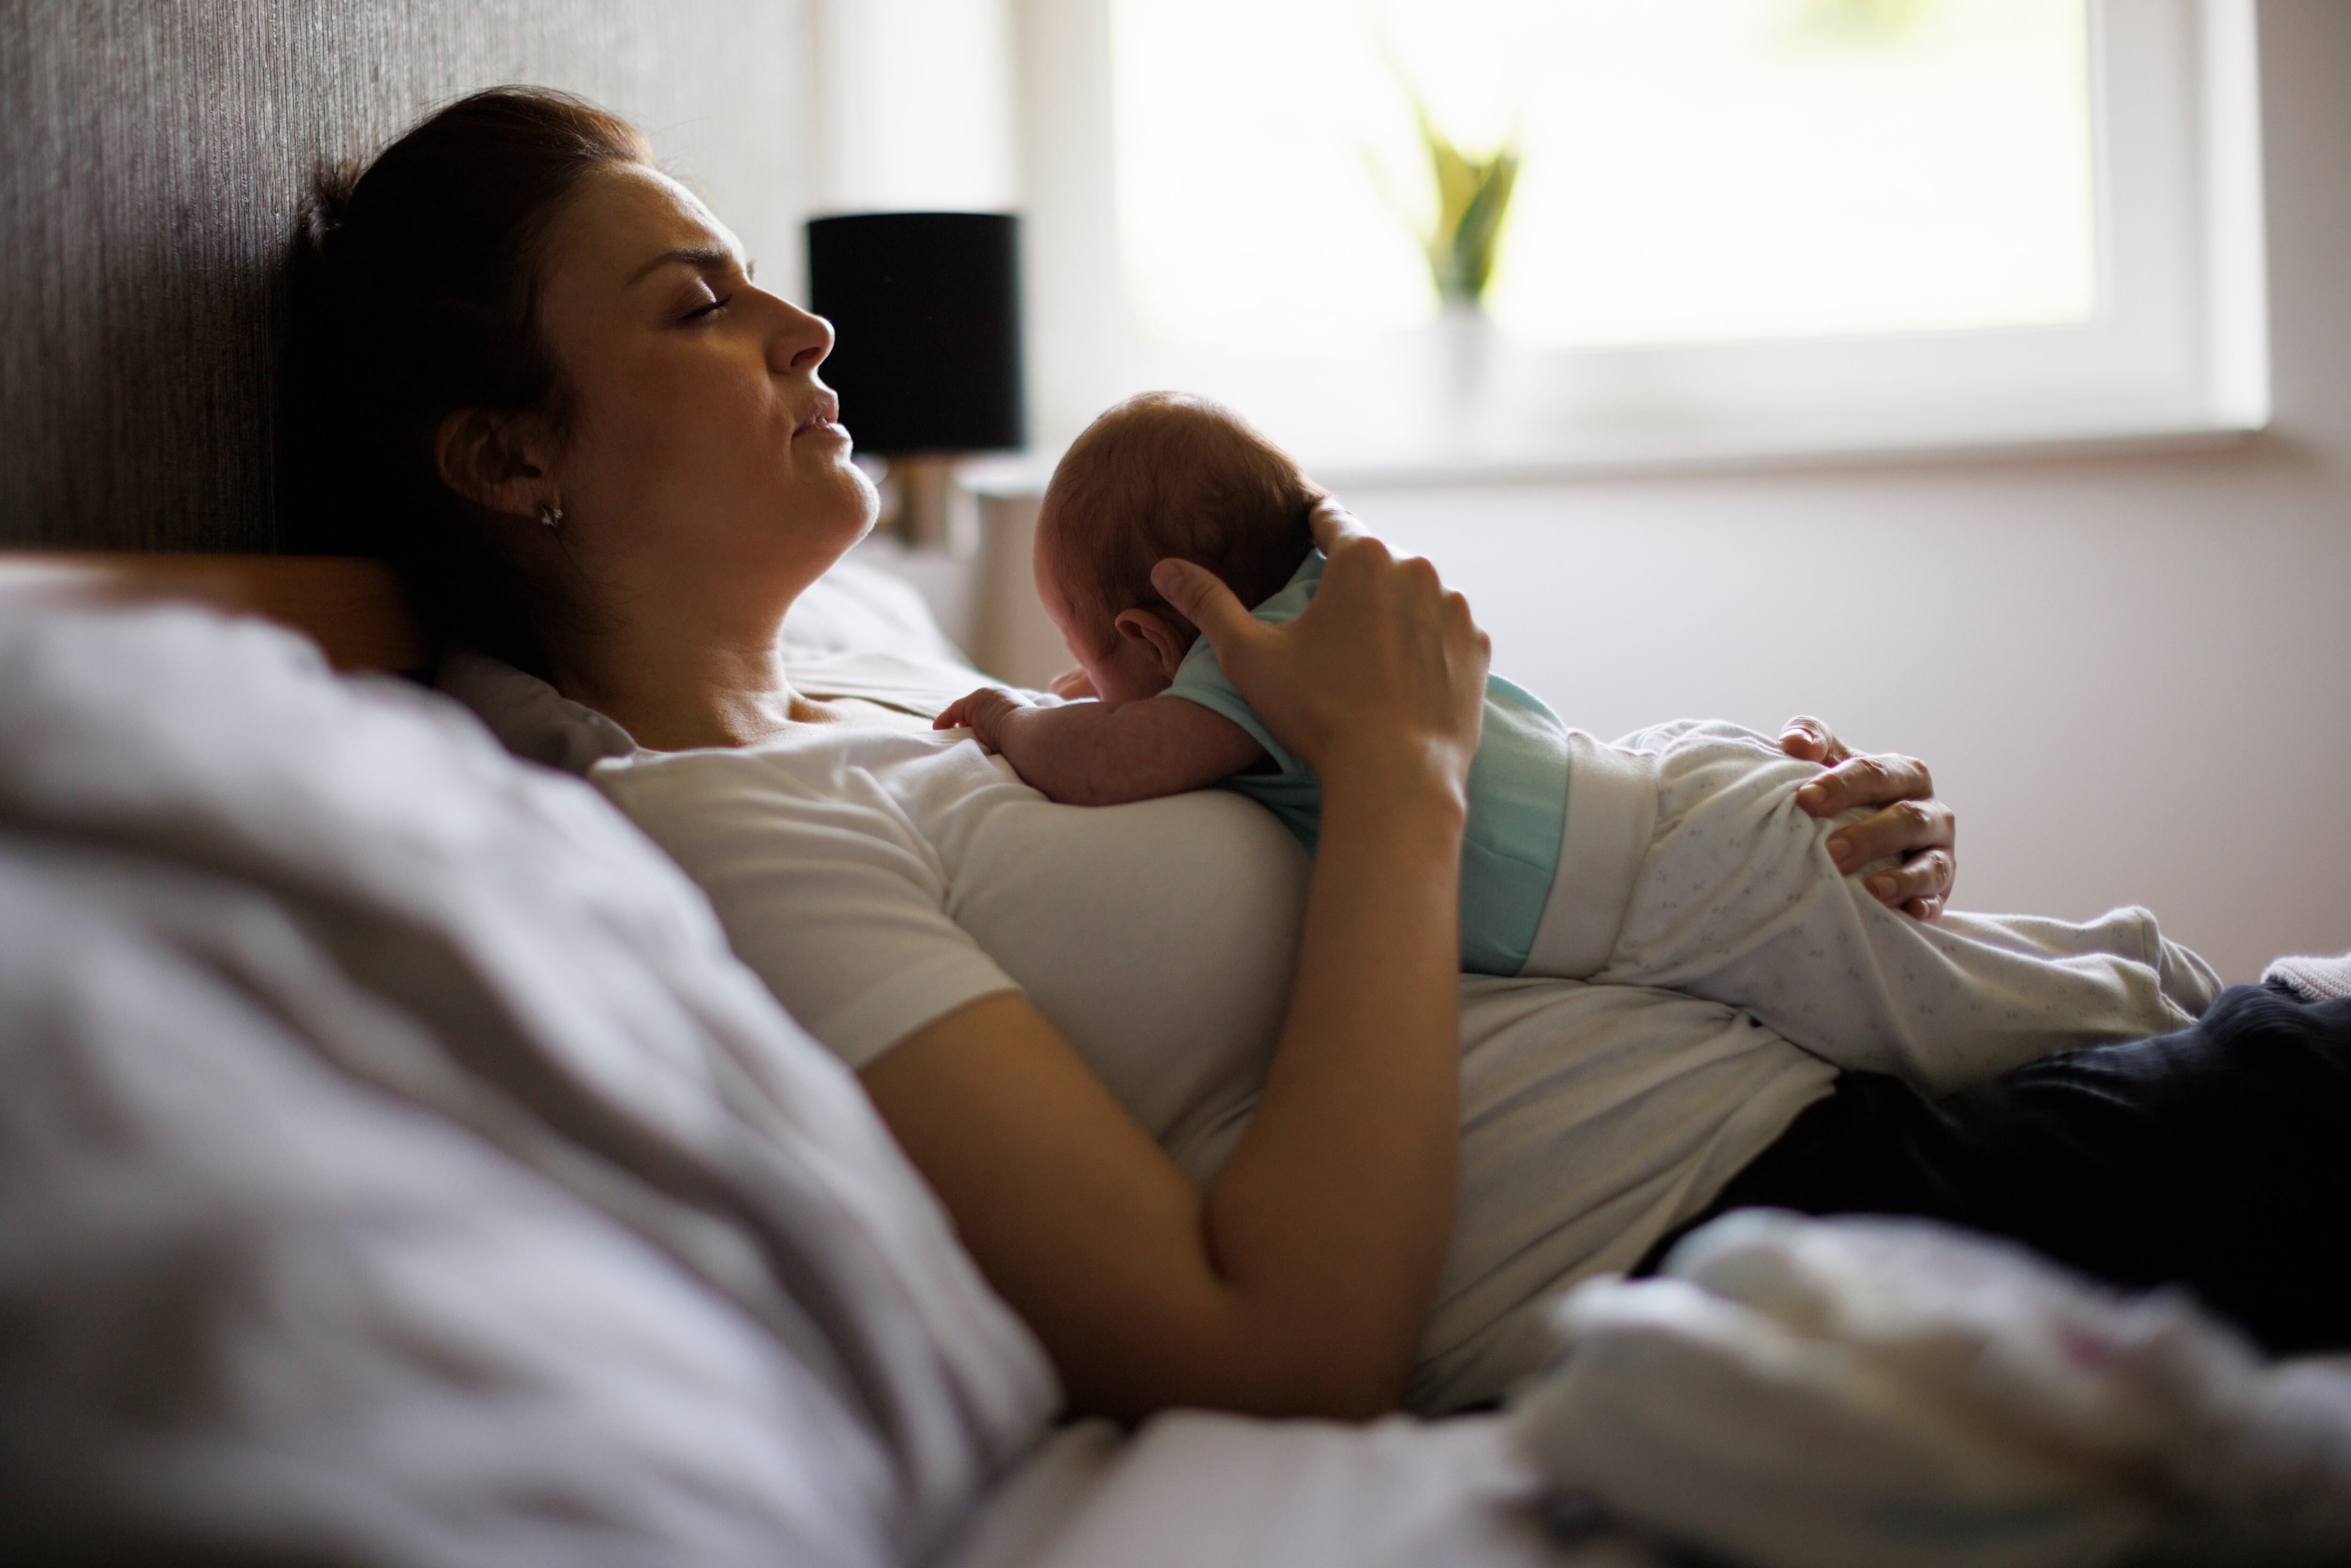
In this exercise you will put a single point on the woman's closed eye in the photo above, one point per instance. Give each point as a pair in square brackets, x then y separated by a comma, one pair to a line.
[709, 309]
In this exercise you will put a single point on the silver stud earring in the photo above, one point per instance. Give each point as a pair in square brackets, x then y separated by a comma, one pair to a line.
[549, 514]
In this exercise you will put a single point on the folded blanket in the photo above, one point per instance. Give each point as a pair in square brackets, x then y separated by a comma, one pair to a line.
[395, 1155]
[2314, 979]
[1884, 1394]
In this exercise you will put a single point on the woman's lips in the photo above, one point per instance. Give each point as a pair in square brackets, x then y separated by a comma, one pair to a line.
[823, 414]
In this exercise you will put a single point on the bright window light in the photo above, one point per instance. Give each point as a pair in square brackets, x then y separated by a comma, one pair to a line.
[1741, 231]
[1721, 170]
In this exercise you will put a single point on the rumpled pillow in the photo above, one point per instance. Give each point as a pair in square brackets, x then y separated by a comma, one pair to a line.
[397, 1167]
[860, 609]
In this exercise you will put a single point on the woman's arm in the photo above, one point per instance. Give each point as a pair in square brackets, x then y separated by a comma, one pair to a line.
[1299, 1283]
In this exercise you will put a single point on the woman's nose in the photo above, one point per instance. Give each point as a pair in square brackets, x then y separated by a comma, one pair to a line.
[801, 340]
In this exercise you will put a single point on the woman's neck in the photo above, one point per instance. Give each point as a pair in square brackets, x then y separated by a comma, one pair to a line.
[677, 692]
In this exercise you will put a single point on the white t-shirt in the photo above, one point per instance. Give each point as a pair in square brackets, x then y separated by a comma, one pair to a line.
[879, 879]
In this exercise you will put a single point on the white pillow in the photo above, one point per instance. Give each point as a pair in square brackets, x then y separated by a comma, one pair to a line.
[860, 609]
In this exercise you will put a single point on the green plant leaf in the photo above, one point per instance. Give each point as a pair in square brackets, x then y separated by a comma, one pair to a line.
[1473, 198]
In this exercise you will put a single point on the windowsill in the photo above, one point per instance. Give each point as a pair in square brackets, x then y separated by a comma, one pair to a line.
[1659, 455]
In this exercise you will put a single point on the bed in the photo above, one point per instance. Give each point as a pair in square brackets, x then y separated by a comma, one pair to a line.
[398, 1168]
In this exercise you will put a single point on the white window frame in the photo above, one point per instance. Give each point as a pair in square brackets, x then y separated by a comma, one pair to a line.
[2177, 352]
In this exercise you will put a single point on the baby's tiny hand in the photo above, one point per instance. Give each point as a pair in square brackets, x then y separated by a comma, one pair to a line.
[984, 712]
[1072, 684]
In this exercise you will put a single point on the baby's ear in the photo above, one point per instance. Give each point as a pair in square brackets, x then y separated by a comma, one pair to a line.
[1165, 640]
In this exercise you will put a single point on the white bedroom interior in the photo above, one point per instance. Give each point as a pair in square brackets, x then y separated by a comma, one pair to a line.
[2123, 661]
[407, 1160]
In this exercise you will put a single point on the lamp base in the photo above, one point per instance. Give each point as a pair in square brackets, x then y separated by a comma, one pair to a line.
[926, 508]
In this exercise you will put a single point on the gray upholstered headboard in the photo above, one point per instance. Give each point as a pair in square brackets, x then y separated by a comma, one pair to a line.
[153, 156]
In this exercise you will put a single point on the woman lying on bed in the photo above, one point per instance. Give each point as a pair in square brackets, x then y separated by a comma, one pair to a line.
[1226, 1128]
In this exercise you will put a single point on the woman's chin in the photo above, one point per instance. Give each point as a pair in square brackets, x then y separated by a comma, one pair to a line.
[843, 508]
[867, 501]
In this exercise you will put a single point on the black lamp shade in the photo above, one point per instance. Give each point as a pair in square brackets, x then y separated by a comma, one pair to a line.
[926, 309]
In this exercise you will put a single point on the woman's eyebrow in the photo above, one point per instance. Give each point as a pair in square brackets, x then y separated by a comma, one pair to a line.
[701, 256]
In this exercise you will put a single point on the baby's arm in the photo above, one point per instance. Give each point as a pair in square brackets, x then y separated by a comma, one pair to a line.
[1087, 753]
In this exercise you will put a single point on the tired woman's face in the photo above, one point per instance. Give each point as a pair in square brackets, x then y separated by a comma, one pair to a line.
[705, 458]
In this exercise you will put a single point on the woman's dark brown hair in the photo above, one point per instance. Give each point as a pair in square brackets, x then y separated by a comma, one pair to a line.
[414, 292]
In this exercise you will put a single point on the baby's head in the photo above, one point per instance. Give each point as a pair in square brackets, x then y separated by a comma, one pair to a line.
[1163, 473]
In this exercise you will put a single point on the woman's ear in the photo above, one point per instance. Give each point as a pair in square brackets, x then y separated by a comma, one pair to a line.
[488, 456]
[1165, 643]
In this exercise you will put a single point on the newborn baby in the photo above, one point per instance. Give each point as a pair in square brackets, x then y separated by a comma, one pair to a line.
[1676, 857]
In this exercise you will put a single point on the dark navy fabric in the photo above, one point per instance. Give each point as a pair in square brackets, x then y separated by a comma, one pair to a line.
[2218, 1159]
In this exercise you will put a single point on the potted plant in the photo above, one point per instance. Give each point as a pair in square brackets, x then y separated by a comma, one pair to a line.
[1461, 241]
[1473, 197]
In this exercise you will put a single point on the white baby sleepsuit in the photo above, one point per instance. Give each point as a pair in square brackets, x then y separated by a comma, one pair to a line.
[1683, 862]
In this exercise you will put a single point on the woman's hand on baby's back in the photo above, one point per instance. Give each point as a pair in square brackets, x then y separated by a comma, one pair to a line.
[1384, 673]
[1911, 827]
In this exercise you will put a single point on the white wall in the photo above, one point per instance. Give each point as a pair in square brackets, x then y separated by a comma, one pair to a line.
[2129, 673]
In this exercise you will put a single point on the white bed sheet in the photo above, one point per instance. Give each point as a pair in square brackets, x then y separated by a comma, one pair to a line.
[1193, 1488]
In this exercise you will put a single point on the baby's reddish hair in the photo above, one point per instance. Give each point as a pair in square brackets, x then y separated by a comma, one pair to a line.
[1169, 474]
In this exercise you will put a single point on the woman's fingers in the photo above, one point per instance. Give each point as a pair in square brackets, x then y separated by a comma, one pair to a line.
[1808, 739]
[1923, 880]
[1905, 829]
[1202, 598]
[1385, 670]
[1918, 835]
[1874, 778]
[1333, 525]
[1910, 828]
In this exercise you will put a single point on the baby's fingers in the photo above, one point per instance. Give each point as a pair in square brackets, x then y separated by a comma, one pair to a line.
[956, 715]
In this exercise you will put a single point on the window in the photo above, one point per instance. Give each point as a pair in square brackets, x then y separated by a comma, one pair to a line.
[1740, 228]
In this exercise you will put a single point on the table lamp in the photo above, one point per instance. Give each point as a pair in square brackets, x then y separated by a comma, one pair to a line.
[926, 311]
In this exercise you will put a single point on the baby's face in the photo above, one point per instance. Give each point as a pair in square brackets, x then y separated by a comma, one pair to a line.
[1123, 669]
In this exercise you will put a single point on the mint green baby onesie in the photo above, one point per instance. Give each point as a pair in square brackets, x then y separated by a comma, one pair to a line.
[1518, 792]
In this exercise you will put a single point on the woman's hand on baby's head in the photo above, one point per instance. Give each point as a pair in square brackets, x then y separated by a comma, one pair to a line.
[1385, 671]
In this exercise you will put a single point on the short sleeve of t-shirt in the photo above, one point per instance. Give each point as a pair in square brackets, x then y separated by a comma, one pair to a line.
[823, 884]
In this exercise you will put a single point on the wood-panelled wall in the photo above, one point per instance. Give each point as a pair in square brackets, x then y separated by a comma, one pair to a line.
[153, 158]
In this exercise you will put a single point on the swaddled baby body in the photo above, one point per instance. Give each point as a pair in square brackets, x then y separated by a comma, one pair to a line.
[1674, 857]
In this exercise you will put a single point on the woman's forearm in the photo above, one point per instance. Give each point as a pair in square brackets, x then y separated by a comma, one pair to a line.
[1299, 1283]
[1331, 1217]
